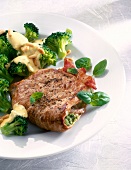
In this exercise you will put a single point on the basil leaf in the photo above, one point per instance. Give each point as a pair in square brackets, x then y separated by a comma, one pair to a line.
[99, 69]
[99, 99]
[85, 96]
[35, 96]
[83, 63]
[72, 70]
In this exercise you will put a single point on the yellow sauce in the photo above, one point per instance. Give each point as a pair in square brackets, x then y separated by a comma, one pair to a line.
[17, 110]
[30, 52]
[28, 62]
[16, 39]
[39, 41]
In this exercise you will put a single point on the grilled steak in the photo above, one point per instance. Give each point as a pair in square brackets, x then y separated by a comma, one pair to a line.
[59, 107]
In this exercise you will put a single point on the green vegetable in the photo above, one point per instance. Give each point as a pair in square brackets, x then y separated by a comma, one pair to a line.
[58, 41]
[35, 96]
[95, 99]
[5, 105]
[6, 48]
[31, 31]
[83, 63]
[70, 119]
[18, 126]
[85, 96]
[72, 70]
[99, 69]
[19, 69]
[48, 58]
[3, 71]
[99, 99]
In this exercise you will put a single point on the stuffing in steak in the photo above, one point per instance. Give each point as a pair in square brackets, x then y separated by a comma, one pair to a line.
[59, 108]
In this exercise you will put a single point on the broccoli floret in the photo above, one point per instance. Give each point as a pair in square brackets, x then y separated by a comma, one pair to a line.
[19, 69]
[5, 105]
[48, 58]
[3, 71]
[58, 41]
[31, 32]
[6, 48]
[18, 126]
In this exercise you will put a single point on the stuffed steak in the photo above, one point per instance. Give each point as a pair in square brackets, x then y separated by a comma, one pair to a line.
[59, 108]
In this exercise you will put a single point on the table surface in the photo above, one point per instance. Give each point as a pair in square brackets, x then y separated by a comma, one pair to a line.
[110, 149]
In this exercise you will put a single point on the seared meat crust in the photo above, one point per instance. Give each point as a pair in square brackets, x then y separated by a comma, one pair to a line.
[59, 89]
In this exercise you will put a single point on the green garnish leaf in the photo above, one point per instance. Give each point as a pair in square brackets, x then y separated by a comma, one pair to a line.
[99, 69]
[83, 63]
[35, 96]
[99, 99]
[95, 99]
[85, 96]
[72, 70]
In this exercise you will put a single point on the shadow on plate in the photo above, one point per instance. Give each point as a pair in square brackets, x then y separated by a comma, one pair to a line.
[36, 134]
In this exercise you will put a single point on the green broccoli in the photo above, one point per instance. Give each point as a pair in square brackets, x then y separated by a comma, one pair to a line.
[58, 41]
[48, 58]
[5, 105]
[19, 69]
[31, 32]
[18, 126]
[6, 48]
[3, 71]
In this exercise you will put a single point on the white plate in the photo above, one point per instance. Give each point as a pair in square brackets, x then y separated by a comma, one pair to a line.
[86, 42]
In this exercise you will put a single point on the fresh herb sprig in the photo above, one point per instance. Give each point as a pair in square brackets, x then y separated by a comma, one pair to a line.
[86, 63]
[95, 99]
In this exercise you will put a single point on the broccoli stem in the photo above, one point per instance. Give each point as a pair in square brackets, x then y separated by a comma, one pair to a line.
[5, 105]
[61, 54]
[8, 129]
[6, 76]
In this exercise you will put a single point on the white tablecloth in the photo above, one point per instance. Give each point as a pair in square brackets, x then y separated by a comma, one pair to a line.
[110, 149]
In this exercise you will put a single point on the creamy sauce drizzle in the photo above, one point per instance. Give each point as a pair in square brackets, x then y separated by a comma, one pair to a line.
[16, 39]
[28, 62]
[30, 52]
[17, 110]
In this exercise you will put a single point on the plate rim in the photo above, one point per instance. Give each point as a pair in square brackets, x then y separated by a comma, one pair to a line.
[103, 39]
